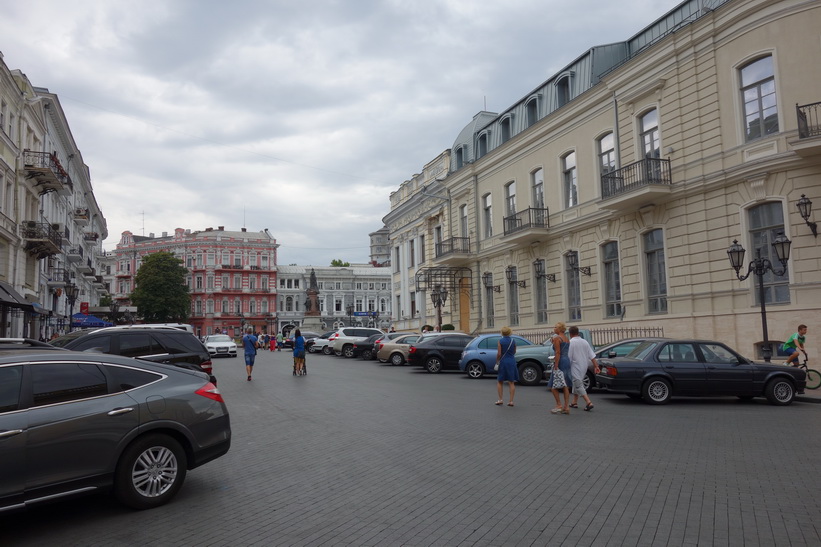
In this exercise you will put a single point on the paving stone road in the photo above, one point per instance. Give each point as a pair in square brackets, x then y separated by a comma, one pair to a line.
[363, 453]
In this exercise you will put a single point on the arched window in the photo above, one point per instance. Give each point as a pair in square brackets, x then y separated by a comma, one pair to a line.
[532, 111]
[759, 99]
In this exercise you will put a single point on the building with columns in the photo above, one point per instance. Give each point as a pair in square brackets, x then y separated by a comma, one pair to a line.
[232, 275]
[51, 227]
[609, 195]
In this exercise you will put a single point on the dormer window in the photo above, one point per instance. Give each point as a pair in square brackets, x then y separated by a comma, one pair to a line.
[532, 111]
[504, 128]
[460, 158]
[481, 145]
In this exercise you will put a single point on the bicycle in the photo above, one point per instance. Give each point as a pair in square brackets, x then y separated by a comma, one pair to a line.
[813, 376]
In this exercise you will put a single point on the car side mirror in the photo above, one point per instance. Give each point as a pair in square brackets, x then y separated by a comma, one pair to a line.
[611, 354]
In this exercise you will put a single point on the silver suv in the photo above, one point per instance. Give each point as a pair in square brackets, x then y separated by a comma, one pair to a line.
[346, 337]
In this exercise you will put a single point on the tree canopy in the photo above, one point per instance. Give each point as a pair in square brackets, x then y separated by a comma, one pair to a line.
[338, 263]
[161, 295]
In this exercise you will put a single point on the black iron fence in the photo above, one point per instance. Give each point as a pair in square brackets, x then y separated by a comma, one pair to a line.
[631, 177]
[453, 245]
[525, 219]
[809, 120]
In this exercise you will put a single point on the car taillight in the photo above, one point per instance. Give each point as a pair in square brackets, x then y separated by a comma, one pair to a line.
[332, 337]
[412, 349]
[210, 391]
[206, 366]
[609, 370]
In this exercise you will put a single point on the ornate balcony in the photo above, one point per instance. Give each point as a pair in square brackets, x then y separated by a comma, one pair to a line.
[46, 173]
[809, 130]
[640, 183]
[85, 267]
[453, 251]
[58, 277]
[74, 254]
[91, 236]
[526, 226]
[40, 238]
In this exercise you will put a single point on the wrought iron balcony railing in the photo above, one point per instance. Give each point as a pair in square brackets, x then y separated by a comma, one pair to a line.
[809, 120]
[526, 219]
[453, 245]
[636, 175]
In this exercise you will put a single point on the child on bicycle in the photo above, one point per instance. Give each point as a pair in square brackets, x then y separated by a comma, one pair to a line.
[794, 344]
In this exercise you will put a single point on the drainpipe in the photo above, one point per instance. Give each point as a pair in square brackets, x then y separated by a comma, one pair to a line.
[616, 139]
[481, 317]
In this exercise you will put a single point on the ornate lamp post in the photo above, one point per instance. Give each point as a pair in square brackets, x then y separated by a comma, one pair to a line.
[115, 308]
[760, 266]
[72, 291]
[349, 309]
[438, 297]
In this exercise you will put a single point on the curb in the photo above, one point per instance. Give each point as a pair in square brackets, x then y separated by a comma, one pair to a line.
[808, 398]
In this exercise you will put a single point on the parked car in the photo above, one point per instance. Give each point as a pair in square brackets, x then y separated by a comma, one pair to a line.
[396, 350]
[658, 369]
[366, 347]
[436, 353]
[288, 342]
[161, 345]
[347, 336]
[220, 344]
[78, 422]
[616, 349]
[319, 343]
[479, 357]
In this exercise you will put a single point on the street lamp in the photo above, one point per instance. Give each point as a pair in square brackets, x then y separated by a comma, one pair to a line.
[438, 297]
[349, 309]
[487, 281]
[72, 291]
[114, 307]
[573, 262]
[805, 210]
[760, 266]
[538, 266]
[513, 277]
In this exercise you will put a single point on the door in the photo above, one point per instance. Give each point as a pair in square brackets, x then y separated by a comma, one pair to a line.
[75, 425]
[13, 425]
[681, 362]
[727, 372]
[452, 347]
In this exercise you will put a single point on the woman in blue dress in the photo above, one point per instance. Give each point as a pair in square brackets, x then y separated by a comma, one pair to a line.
[508, 372]
[299, 353]
[561, 361]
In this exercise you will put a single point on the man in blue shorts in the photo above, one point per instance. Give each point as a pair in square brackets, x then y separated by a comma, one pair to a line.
[795, 344]
[250, 343]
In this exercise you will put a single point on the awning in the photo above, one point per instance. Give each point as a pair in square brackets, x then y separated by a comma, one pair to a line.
[88, 321]
[11, 298]
[38, 308]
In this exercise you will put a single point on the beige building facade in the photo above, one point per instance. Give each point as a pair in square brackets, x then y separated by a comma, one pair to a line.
[609, 195]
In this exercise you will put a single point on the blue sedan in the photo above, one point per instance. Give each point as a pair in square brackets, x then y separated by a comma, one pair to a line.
[479, 356]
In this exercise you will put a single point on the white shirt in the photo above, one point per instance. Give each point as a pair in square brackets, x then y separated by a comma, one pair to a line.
[580, 354]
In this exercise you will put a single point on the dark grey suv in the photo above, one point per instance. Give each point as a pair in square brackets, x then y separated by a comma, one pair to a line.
[73, 423]
[161, 345]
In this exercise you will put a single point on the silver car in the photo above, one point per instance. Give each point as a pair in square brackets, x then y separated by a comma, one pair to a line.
[73, 423]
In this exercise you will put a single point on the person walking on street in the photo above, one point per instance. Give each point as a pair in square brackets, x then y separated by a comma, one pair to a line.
[272, 342]
[250, 343]
[794, 344]
[580, 355]
[299, 352]
[561, 363]
[506, 361]
[279, 341]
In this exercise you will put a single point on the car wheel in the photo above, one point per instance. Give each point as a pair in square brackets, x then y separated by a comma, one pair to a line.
[656, 391]
[530, 374]
[475, 369]
[433, 364]
[327, 350]
[397, 359]
[311, 349]
[150, 472]
[367, 355]
[779, 391]
[589, 381]
[347, 351]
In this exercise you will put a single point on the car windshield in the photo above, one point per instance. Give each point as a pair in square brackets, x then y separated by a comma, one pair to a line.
[219, 338]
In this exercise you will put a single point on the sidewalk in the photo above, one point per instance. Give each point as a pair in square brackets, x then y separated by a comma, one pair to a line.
[809, 396]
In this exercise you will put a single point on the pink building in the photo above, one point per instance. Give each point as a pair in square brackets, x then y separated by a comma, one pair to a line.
[232, 275]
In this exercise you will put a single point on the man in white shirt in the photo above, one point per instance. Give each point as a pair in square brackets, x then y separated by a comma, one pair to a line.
[580, 354]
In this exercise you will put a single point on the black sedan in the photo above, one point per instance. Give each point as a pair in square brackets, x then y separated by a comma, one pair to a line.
[436, 353]
[658, 369]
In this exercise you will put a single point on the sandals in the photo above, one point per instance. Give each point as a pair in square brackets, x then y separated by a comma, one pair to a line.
[574, 405]
[510, 404]
[499, 402]
[589, 407]
[556, 410]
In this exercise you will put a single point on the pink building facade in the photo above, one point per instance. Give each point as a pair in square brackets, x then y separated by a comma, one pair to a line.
[231, 279]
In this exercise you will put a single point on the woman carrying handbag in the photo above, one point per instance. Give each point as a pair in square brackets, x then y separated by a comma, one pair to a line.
[506, 366]
[560, 375]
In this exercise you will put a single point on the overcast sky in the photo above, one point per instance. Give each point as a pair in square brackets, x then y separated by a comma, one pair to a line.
[297, 116]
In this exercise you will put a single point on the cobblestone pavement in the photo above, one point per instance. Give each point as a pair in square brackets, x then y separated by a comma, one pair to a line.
[362, 453]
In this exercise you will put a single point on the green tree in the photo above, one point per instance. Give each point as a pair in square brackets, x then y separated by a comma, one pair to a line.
[339, 264]
[161, 295]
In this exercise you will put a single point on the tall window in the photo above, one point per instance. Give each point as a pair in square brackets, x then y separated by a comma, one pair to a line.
[758, 96]
[396, 259]
[463, 221]
[421, 249]
[532, 112]
[574, 289]
[766, 223]
[612, 279]
[607, 154]
[649, 127]
[359, 305]
[510, 199]
[289, 303]
[411, 254]
[489, 300]
[413, 303]
[482, 145]
[571, 197]
[541, 293]
[504, 126]
[656, 271]
[513, 295]
[537, 183]
[487, 213]
[563, 91]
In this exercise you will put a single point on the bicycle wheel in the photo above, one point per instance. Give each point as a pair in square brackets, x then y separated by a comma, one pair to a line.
[813, 379]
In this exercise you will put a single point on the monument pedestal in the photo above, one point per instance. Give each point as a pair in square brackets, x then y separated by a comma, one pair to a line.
[313, 323]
